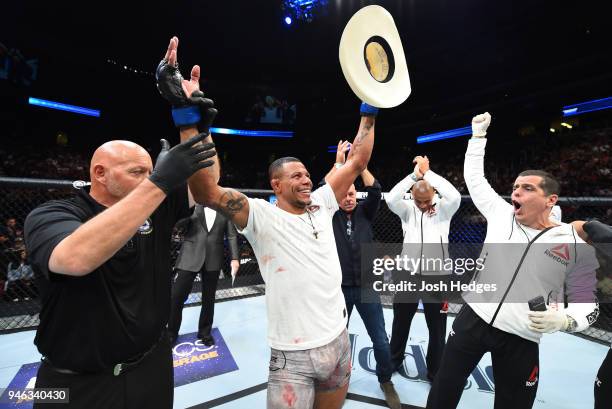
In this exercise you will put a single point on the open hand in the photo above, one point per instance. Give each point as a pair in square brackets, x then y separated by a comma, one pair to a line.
[172, 57]
[343, 148]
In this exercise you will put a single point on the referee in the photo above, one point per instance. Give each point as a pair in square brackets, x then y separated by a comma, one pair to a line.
[103, 260]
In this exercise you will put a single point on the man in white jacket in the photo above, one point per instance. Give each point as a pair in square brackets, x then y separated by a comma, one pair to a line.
[425, 219]
[502, 323]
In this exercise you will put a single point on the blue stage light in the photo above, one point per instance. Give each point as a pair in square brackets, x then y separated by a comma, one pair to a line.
[254, 134]
[452, 133]
[63, 107]
[305, 10]
[588, 106]
[288, 20]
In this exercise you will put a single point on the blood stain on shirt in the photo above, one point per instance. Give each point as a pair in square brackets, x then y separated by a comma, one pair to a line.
[266, 259]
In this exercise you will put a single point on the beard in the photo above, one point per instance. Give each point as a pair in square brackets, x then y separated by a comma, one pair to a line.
[301, 203]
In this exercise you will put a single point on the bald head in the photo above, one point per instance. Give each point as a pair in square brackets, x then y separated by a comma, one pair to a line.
[423, 186]
[423, 194]
[116, 168]
[113, 153]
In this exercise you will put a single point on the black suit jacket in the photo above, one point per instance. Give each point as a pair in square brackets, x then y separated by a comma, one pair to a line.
[600, 235]
[205, 248]
[349, 249]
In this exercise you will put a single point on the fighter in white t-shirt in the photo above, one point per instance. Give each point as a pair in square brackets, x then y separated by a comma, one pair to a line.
[296, 251]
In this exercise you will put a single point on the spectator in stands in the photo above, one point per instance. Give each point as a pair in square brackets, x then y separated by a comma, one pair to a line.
[256, 111]
[5, 247]
[14, 232]
[19, 279]
[5, 239]
[271, 111]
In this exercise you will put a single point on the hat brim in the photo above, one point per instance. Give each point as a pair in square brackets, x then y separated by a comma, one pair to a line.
[369, 22]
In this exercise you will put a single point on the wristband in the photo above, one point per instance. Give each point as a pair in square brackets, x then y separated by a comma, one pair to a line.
[368, 110]
[413, 176]
[184, 116]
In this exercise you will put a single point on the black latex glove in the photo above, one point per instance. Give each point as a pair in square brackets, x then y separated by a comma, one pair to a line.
[207, 110]
[174, 166]
[164, 150]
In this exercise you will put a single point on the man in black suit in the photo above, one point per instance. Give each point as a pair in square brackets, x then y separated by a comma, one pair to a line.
[599, 235]
[202, 251]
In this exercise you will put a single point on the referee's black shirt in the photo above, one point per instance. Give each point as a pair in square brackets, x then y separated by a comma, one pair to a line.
[119, 310]
[349, 248]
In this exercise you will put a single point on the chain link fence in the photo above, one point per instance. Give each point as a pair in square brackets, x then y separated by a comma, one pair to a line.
[20, 300]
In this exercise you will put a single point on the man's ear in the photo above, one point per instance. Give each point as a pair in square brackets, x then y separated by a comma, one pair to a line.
[276, 186]
[551, 200]
[99, 172]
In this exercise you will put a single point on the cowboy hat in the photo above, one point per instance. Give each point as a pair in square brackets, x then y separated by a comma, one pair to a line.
[372, 58]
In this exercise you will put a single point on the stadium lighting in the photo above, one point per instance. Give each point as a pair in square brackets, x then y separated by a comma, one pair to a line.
[452, 133]
[565, 124]
[288, 20]
[254, 134]
[63, 107]
[588, 106]
[305, 10]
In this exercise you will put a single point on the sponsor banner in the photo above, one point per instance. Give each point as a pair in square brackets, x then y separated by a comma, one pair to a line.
[194, 361]
[25, 379]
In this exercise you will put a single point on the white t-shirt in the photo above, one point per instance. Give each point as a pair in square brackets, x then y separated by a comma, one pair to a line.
[306, 308]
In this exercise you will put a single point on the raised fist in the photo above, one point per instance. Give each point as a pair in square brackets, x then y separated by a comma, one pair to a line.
[480, 123]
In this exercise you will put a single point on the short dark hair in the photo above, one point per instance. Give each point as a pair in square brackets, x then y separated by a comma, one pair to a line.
[549, 184]
[278, 164]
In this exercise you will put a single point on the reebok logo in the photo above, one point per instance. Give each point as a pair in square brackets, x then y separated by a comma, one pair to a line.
[562, 250]
[559, 253]
[533, 378]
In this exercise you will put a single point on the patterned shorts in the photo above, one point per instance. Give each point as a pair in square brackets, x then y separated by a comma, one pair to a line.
[295, 376]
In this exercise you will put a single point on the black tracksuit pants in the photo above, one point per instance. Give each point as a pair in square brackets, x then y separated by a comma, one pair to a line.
[436, 324]
[603, 391]
[515, 364]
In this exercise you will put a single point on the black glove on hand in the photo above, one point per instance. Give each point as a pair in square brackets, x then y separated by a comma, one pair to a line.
[185, 111]
[164, 150]
[174, 166]
[207, 110]
[169, 84]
